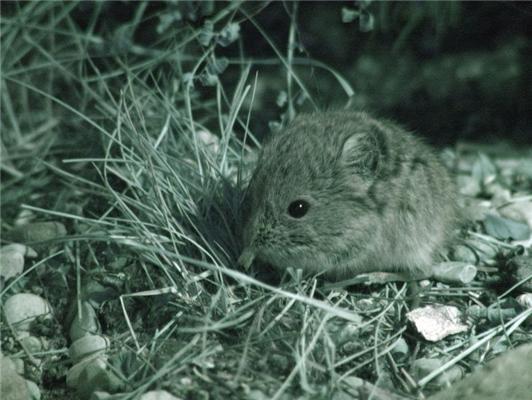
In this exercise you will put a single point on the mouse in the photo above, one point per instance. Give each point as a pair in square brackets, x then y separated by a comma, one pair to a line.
[341, 193]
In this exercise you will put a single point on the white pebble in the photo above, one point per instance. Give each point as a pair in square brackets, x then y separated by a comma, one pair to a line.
[32, 344]
[525, 300]
[85, 323]
[23, 308]
[88, 345]
[92, 374]
[94, 364]
[11, 263]
[158, 395]
[435, 322]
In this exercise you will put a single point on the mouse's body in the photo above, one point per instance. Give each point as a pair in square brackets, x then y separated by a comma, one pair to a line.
[344, 193]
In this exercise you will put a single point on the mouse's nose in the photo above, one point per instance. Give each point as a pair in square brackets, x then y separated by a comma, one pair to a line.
[246, 258]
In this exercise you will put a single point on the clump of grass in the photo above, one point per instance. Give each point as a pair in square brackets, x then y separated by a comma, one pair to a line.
[145, 157]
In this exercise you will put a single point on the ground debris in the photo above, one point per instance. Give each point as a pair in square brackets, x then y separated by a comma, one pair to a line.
[436, 322]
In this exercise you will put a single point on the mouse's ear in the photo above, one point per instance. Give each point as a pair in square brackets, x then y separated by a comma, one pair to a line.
[362, 153]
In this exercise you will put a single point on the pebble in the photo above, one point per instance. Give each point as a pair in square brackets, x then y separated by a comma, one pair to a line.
[95, 362]
[90, 375]
[485, 251]
[85, 323]
[37, 232]
[400, 349]
[33, 389]
[519, 211]
[32, 344]
[158, 395]
[95, 293]
[12, 259]
[88, 345]
[525, 300]
[424, 366]
[436, 322]
[12, 385]
[11, 264]
[23, 308]
[455, 272]
[463, 253]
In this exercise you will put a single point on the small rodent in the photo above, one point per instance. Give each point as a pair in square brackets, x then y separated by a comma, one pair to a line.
[343, 193]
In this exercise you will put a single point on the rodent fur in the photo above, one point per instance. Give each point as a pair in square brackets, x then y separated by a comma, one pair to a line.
[380, 200]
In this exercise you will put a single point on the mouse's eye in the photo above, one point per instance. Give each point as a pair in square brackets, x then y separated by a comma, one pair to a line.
[298, 208]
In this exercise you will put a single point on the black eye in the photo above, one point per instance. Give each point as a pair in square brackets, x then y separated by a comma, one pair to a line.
[298, 208]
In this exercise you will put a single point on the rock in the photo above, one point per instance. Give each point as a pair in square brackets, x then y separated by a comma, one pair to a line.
[504, 228]
[24, 217]
[85, 323]
[19, 365]
[37, 232]
[20, 248]
[468, 185]
[256, 394]
[519, 211]
[485, 251]
[90, 375]
[525, 300]
[158, 395]
[475, 209]
[33, 389]
[96, 361]
[32, 344]
[454, 272]
[464, 254]
[103, 395]
[11, 261]
[23, 308]
[400, 349]
[435, 322]
[95, 293]
[424, 366]
[356, 388]
[88, 345]
[12, 385]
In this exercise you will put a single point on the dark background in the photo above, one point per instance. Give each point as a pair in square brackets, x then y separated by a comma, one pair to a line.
[448, 70]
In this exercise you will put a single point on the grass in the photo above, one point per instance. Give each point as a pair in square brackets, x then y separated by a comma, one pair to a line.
[146, 167]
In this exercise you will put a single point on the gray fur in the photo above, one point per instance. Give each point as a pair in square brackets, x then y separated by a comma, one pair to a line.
[379, 198]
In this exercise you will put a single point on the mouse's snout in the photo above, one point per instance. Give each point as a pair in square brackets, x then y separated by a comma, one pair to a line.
[259, 234]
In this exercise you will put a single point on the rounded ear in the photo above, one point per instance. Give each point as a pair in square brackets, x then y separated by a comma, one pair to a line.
[361, 153]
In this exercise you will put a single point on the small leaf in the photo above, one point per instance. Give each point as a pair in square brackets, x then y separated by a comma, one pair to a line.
[166, 20]
[217, 65]
[349, 15]
[206, 33]
[208, 79]
[503, 228]
[188, 79]
[229, 34]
